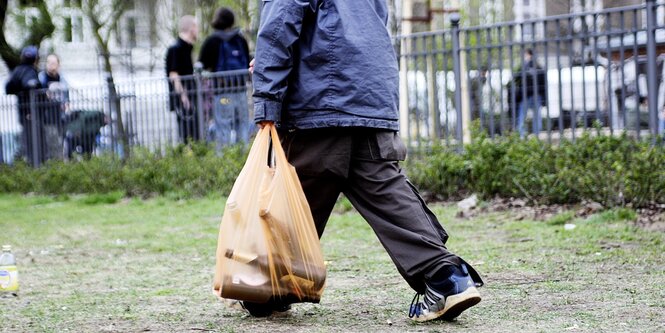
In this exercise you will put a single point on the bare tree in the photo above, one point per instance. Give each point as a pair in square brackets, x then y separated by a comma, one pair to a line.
[104, 17]
[39, 29]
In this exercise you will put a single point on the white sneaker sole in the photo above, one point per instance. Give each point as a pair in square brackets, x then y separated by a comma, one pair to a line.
[455, 305]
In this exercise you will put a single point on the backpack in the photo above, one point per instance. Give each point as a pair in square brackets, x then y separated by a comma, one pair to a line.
[232, 55]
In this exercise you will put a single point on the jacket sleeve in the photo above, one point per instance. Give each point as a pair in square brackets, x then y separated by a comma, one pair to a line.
[280, 28]
[208, 54]
[245, 46]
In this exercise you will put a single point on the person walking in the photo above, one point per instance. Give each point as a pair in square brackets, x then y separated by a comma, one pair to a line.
[179, 68]
[227, 50]
[326, 75]
[530, 89]
[23, 83]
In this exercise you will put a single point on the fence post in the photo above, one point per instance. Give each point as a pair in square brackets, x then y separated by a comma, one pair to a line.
[652, 79]
[35, 126]
[110, 86]
[198, 82]
[406, 49]
[119, 129]
[432, 95]
[454, 21]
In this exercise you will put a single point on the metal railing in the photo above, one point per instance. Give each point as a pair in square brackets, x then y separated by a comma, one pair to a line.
[594, 70]
[602, 71]
[114, 117]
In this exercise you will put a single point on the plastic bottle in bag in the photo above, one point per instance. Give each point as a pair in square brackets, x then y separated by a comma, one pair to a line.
[299, 285]
[8, 273]
[261, 261]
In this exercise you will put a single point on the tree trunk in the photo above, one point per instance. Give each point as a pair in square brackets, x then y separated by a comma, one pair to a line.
[103, 49]
[39, 30]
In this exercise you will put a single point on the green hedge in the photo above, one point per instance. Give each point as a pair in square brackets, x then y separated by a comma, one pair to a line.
[613, 171]
[184, 171]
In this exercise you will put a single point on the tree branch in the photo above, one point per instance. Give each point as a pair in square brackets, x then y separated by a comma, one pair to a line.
[42, 28]
[8, 53]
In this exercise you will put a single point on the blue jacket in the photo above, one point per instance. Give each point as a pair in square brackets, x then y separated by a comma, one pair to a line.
[326, 63]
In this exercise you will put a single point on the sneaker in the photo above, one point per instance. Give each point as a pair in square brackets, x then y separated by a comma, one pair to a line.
[446, 299]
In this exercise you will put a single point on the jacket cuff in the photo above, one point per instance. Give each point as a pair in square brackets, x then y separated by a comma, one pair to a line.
[267, 111]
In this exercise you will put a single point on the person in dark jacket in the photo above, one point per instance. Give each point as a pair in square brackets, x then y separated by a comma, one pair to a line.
[223, 51]
[179, 68]
[529, 86]
[23, 80]
[326, 74]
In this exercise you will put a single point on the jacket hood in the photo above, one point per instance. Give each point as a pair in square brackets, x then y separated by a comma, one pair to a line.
[226, 35]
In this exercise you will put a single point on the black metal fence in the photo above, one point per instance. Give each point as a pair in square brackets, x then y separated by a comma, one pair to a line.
[553, 78]
[65, 123]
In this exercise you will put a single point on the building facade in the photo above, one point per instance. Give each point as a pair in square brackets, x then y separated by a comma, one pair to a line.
[137, 45]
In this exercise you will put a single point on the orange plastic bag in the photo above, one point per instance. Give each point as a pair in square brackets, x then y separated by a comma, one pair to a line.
[268, 247]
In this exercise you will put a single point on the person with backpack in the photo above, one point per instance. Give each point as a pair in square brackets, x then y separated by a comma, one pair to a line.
[23, 80]
[227, 50]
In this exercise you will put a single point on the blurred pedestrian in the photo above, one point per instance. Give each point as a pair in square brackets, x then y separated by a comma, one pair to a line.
[54, 106]
[182, 88]
[23, 82]
[223, 51]
[530, 92]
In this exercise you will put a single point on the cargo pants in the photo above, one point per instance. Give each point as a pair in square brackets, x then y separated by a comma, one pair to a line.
[363, 163]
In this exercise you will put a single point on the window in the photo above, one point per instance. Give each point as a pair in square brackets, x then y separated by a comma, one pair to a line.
[27, 3]
[67, 30]
[130, 31]
[72, 29]
[72, 3]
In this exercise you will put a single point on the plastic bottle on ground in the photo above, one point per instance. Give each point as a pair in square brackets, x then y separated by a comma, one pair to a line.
[8, 273]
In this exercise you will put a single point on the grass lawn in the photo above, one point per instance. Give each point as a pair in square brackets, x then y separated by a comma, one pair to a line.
[89, 264]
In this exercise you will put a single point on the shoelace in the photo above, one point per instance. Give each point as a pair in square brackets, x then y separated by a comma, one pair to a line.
[415, 310]
[430, 298]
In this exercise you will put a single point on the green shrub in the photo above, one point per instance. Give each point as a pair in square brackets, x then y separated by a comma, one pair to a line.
[183, 171]
[612, 171]
[105, 198]
[446, 175]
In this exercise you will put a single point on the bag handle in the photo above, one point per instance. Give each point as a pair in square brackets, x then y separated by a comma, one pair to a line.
[278, 153]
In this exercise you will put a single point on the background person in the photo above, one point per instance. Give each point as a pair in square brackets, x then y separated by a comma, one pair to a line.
[23, 81]
[227, 50]
[55, 106]
[182, 95]
[529, 86]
